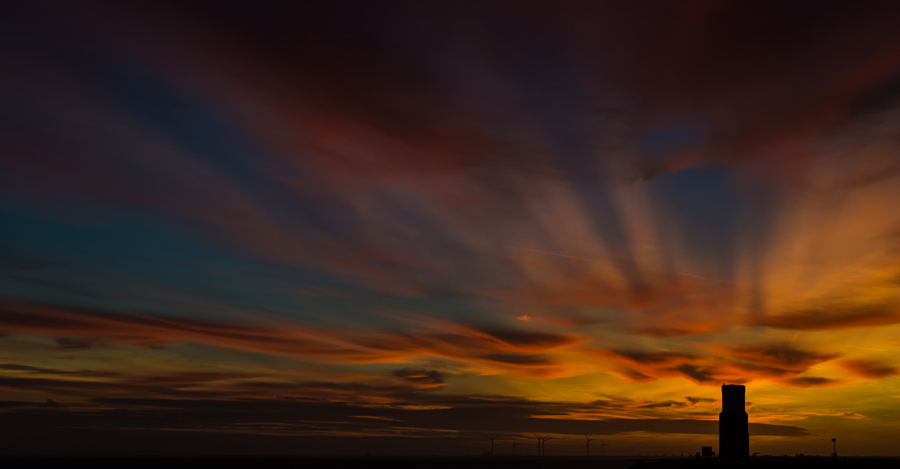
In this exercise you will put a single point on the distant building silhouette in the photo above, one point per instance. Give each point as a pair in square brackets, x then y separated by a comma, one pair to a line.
[734, 437]
[706, 452]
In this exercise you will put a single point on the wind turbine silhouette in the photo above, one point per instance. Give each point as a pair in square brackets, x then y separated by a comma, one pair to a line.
[540, 440]
[544, 445]
[602, 447]
[492, 443]
[514, 447]
[587, 443]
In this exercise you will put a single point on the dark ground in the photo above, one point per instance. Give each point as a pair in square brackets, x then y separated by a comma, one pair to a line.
[433, 463]
[774, 463]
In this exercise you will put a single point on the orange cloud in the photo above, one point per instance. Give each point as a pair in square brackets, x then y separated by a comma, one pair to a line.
[873, 369]
[812, 382]
[781, 356]
[840, 317]
[500, 349]
[777, 363]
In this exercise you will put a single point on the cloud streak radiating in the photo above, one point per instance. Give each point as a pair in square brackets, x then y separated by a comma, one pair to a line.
[504, 217]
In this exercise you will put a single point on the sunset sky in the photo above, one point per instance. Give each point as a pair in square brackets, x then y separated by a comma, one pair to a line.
[335, 227]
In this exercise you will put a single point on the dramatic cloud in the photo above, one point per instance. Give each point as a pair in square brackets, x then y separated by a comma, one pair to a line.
[420, 376]
[295, 339]
[812, 382]
[402, 220]
[699, 400]
[653, 357]
[837, 318]
[699, 374]
[782, 356]
[870, 368]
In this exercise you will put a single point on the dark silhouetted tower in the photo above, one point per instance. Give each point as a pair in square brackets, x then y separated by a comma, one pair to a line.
[734, 438]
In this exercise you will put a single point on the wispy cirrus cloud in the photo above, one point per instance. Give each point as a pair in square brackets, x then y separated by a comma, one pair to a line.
[555, 194]
[506, 349]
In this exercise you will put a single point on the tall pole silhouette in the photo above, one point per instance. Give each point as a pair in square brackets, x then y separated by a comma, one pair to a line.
[587, 443]
[514, 447]
[602, 447]
[834, 448]
[492, 443]
[540, 440]
[544, 445]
